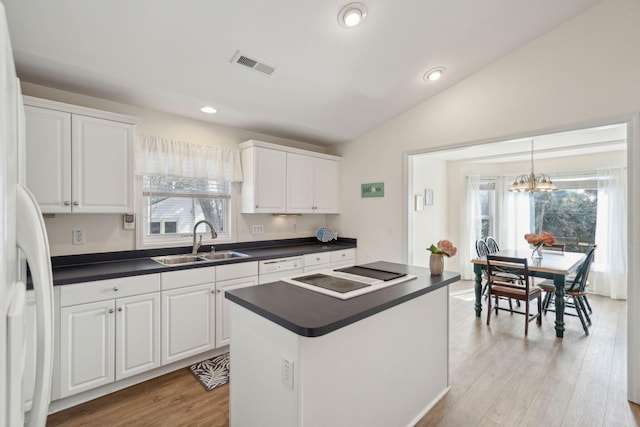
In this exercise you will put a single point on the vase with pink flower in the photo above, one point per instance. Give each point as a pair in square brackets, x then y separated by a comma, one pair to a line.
[538, 241]
[444, 248]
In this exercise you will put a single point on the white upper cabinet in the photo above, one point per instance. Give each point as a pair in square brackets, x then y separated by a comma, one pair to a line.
[279, 179]
[78, 159]
[49, 158]
[264, 185]
[312, 184]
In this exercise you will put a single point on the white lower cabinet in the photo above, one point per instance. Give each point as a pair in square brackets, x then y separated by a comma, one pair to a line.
[87, 348]
[188, 316]
[137, 334]
[223, 334]
[327, 260]
[104, 338]
[230, 277]
[188, 313]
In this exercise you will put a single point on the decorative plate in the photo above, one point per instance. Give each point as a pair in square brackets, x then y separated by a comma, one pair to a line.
[325, 234]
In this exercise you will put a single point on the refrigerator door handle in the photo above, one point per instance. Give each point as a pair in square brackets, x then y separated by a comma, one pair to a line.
[32, 240]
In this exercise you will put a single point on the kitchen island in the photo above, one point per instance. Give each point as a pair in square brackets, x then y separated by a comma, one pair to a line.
[302, 358]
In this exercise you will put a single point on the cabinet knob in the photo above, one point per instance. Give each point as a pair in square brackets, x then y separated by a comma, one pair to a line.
[111, 310]
[318, 259]
[120, 309]
[213, 291]
[75, 203]
[67, 203]
[219, 290]
[116, 289]
[257, 206]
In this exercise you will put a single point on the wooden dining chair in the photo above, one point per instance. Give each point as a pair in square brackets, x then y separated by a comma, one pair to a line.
[575, 293]
[521, 290]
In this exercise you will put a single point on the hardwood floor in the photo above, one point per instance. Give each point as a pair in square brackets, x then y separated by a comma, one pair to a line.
[498, 378]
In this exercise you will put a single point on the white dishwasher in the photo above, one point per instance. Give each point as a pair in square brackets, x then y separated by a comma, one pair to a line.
[272, 270]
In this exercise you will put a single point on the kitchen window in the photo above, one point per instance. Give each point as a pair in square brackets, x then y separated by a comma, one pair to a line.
[172, 206]
[179, 184]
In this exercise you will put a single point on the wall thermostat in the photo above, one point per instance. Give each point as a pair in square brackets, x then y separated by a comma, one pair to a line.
[129, 221]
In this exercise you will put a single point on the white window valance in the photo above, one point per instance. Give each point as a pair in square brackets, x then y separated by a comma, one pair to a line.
[161, 156]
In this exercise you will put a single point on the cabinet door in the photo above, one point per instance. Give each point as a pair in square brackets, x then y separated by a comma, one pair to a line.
[222, 306]
[270, 180]
[300, 186]
[87, 337]
[48, 136]
[325, 178]
[188, 316]
[137, 334]
[102, 177]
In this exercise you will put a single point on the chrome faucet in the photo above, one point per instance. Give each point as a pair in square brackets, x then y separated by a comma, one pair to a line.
[196, 246]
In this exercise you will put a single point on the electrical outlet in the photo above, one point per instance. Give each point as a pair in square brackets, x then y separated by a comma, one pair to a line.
[257, 229]
[78, 237]
[287, 372]
[294, 228]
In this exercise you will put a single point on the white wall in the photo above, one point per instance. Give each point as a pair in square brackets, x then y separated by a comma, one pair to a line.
[104, 233]
[555, 83]
[428, 226]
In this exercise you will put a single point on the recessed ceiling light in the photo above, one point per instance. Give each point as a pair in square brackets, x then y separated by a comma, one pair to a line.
[433, 74]
[208, 110]
[352, 15]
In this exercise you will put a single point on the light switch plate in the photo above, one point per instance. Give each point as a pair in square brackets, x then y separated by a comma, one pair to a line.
[257, 229]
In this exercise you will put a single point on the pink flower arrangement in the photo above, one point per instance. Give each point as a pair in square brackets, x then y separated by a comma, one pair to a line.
[444, 247]
[544, 238]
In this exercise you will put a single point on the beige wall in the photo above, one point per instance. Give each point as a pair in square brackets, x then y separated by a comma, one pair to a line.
[105, 233]
[582, 73]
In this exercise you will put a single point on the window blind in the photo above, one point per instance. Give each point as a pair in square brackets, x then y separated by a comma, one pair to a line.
[169, 186]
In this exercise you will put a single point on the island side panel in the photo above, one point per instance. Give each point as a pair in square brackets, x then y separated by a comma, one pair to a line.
[257, 395]
[388, 369]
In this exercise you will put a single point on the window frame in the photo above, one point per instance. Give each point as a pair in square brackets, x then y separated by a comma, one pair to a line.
[146, 241]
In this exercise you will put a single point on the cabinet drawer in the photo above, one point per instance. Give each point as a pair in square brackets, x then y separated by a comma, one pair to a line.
[99, 290]
[234, 271]
[316, 259]
[346, 254]
[194, 276]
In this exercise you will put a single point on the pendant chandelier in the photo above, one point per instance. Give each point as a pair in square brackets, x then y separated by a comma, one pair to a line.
[532, 182]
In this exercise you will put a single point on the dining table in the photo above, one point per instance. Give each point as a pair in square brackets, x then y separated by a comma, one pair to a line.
[556, 265]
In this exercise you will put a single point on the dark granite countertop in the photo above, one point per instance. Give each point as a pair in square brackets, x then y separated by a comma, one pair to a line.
[312, 314]
[85, 268]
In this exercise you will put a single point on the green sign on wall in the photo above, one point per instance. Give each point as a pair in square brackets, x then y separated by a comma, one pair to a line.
[372, 190]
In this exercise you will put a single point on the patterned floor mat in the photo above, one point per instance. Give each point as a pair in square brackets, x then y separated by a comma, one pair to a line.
[213, 372]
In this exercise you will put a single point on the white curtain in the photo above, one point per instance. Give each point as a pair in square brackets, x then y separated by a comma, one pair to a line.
[471, 226]
[610, 262]
[515, 218]
[161, 156]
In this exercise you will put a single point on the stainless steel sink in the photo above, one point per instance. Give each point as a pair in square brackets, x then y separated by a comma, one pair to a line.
[199, 257]
[178, 259]
[219, 256]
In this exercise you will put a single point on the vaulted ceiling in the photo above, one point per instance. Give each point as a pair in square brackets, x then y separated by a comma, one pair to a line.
[329, 84]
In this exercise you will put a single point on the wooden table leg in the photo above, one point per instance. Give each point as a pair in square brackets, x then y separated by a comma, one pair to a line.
[477, 269]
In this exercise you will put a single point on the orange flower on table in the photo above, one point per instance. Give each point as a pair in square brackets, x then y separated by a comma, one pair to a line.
[545, 238]
[444, 247]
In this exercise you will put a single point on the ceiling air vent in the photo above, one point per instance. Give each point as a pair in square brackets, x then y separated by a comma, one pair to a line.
[252, 63]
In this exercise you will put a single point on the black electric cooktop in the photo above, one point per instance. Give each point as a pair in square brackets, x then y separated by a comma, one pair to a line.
[332, 283]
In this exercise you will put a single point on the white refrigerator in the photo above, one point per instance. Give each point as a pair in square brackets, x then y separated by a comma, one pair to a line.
[23, 240]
